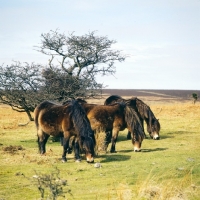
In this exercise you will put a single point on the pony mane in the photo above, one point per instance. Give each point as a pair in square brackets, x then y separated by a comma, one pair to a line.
[131, 117]
[112, 99]
[121, 103]
[80, 120]
[144, 109]
[81, 100]
[133, 122]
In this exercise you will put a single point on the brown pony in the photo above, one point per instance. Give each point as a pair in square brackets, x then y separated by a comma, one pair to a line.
[144, 113]
[114, 118]
[64, 120]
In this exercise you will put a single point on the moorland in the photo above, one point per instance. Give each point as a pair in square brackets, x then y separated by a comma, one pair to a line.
[168, 168]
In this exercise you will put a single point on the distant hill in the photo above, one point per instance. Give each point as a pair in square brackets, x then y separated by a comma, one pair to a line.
[166, 94]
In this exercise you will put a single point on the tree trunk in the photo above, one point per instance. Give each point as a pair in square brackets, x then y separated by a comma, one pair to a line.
[29, 115]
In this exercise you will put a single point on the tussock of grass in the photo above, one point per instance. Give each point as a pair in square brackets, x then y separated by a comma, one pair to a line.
[100, 142]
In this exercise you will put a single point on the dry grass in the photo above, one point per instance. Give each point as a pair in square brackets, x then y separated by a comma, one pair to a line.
[168, 169]
[100, 142]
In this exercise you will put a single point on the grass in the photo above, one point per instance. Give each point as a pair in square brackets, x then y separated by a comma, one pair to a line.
[165, 169]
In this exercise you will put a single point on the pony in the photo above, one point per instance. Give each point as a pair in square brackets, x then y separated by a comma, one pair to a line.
[66, 121]
[144, 113]
[112, 119]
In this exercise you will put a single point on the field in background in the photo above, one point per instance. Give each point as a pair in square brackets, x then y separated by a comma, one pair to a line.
[154, 95]
[151, 96]
[168, 169]
[162, 94]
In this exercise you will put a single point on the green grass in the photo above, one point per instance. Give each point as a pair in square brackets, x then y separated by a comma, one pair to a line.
[165, 169]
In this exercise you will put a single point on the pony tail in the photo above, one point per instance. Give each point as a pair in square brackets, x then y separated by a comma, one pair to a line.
[36, 115]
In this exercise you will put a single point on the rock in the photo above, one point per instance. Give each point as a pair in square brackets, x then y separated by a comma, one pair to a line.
[97, 165]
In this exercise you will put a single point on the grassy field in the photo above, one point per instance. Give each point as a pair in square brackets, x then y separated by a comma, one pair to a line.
[164, 169]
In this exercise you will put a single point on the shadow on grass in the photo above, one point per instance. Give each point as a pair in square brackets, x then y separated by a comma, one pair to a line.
[114, 157]
[142, 150]
[126, 151]
[121, 138]
[172, 134]
[29, 141]
[152, 150]
[163, 137]
[178, 132]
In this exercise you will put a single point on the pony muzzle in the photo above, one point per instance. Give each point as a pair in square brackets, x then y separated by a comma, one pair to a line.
[155, 136]
[89, 159]
[137, 146]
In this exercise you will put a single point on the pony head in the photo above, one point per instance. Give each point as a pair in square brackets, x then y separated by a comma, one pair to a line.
[88, 148]
[135, 127]
[138, 137]
[154, 129]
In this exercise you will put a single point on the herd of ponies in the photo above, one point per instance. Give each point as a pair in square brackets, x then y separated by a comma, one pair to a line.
[80, 120]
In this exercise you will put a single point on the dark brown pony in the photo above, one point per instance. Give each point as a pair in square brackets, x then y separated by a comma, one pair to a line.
[64, 120]
[114, 118]
[144, 113]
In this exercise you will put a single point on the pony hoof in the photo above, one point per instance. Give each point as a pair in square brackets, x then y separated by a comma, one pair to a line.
[64, 160]
[113, 151]
[137, 150]
[78, 160]
[89, 162]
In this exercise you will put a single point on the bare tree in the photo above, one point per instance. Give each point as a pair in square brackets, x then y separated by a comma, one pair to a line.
[20, 86]
[23, 86]
[64, 86]
[82, 57]
[74, 63]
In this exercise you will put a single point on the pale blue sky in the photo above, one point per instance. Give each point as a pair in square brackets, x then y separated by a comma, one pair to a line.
[161, 37]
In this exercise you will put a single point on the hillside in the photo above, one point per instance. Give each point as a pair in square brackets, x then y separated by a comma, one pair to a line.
[155, 95]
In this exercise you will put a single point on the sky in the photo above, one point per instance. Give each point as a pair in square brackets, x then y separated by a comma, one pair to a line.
[160, 37]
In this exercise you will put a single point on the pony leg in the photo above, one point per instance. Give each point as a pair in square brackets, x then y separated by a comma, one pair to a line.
[61, 140]
[108, 139]
[42, 140]
[43, 146]
[113, 141]
[65, 148]
[77, 151]
[71, 144]
[128, 135]
[142, 123]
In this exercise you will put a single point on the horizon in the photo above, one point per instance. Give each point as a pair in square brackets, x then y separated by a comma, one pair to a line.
[150, 89]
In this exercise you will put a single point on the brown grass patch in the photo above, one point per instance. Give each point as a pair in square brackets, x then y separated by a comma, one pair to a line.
[13, 149]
